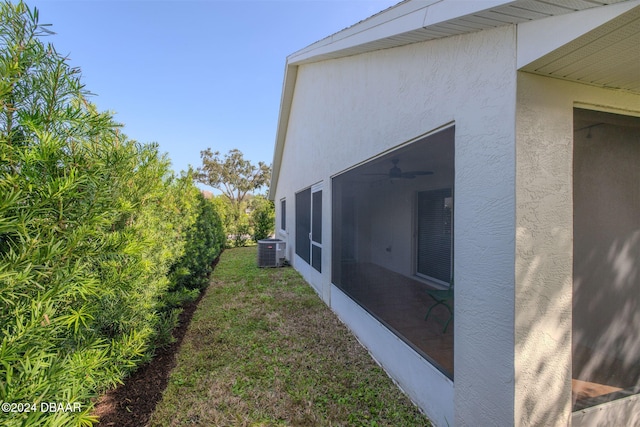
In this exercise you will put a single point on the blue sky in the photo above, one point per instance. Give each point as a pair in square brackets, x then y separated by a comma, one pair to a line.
[193, 74]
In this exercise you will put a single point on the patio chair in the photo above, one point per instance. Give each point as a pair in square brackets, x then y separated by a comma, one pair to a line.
[441, 297]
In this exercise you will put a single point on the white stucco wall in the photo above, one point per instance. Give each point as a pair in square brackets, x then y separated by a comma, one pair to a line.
[429, 388]
[348, 110]
[544, 244]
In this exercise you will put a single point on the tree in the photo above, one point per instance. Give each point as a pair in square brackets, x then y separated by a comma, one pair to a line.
[234, 176]
[262, 217]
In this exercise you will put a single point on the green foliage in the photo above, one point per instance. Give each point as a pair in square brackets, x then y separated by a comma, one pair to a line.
[234, 176]
[234, 220]
[92, 225]
[241, 231]
[263, 217]
[205, 241]
[254, 220]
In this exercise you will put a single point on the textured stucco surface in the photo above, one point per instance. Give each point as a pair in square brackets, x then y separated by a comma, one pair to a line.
[513, 255]
[348, 110]
[544, 241]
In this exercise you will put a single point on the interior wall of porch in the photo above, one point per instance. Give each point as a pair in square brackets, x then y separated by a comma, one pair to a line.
[544, 241]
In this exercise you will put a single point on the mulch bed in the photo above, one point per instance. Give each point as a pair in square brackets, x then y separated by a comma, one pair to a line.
[132, 403]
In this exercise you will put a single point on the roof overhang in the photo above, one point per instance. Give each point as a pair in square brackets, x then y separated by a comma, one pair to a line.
[599, 47]
[605, 24]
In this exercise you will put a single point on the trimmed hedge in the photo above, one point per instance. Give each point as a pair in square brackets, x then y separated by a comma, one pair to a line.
[99, 241]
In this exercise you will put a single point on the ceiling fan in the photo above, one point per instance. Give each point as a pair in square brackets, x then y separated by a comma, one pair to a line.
[396, 173]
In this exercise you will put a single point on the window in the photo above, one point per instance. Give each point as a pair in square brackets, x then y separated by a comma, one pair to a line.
[309, 226]
[435, 237]
[392, 234]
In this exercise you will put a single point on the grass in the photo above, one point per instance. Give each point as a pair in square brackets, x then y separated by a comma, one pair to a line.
[263, 350]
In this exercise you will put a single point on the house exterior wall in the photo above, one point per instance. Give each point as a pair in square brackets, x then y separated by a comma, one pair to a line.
[348, 110]
[544, 248]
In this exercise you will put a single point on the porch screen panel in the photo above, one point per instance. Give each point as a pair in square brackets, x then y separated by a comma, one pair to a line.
[303, 225]
[606, 258]
[316, 230]
[348, 229]
[434, 234]
[316, 258]
[384, 212]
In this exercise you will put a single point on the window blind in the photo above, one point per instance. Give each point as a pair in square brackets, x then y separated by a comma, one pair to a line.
[435, 234]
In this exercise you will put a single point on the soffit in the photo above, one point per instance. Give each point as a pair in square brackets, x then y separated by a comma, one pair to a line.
[412, 22]
[608, 56]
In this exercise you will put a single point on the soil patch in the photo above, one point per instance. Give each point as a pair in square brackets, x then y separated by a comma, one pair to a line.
[132, 403]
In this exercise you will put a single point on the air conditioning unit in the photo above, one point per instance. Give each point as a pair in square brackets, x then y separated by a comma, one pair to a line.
[271, 252]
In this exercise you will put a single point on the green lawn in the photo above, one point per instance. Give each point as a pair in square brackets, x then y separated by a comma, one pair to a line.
[262, 350]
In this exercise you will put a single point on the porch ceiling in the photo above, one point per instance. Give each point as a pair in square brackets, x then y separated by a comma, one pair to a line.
[608, 56]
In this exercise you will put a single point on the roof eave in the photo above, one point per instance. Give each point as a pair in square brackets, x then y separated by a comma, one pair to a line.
[391, 24]
[288, 87]
[406, 23]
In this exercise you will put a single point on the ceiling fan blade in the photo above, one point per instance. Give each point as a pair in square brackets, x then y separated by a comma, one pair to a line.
[396, 173]
[414, 173]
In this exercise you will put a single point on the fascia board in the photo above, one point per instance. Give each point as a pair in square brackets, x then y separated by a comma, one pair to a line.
[541, 37]
[286, 100]
[447, 10]
[399, 19]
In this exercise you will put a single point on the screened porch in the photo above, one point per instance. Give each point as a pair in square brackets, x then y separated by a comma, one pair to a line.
[393, 242]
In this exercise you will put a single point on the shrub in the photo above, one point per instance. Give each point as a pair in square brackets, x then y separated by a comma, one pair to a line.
[91, 225]
[263, 218]
[205, 240]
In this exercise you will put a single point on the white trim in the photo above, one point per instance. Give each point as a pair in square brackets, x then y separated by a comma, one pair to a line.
[286, 101]
[400, 18]
[317, 187]
[621, 412]
[606, 109]
[310, 274]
